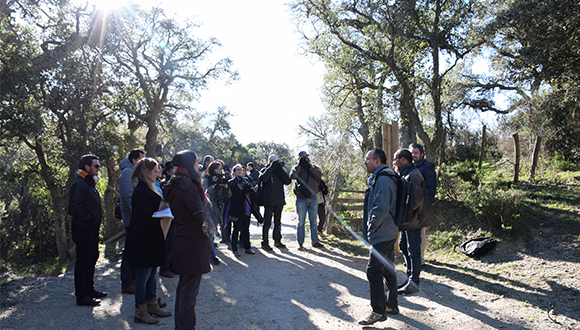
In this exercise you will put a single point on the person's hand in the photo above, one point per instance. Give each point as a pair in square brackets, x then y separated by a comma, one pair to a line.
[255, 188]
[240, 186]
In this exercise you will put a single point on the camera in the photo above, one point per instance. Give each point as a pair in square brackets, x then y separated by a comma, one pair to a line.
[217, 178]
[247, 185]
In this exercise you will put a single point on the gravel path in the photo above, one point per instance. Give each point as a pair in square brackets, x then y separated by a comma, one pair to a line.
[317, 289]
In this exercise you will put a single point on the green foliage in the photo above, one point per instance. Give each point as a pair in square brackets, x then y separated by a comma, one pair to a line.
[499, 208]
[444, 239]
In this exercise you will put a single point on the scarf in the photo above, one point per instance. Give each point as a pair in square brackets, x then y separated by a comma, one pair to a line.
[91, 180]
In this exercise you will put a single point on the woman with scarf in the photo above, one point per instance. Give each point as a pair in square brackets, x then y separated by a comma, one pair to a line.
[239, 209]
[145, 241]
[191, 232]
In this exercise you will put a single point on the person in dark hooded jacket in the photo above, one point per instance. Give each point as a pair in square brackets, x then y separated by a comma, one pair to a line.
[191, 242]
[273, 178]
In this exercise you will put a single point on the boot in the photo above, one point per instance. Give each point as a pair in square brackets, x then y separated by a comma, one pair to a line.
[142, 316]
[153, 308]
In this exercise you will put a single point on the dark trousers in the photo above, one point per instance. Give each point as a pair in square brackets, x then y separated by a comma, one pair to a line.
[87, 248]
[276, 211]
[185, 300]
[382, 279]
[321, 216]
[241, 226]
[410, 246]
[168, 249]
[128, 273]
[227, 232]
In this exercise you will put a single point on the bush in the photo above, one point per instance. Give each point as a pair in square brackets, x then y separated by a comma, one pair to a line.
[499, 208]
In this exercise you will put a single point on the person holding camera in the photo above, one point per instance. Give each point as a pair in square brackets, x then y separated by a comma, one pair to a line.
[239, 208]
[305, 190]
[273, 178]
[216, 188]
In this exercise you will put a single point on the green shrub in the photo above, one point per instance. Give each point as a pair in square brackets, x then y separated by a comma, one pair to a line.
[499, 208]
[444, 239]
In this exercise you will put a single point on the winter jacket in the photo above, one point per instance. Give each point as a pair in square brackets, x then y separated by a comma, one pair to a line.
[126, 190]
[379, 207]
[190, 245]
[240, 202]
[421, 206]
[145, 245]
[218, 197]
[85, 204]
[309, 176]
[427, 170]
[273, 178]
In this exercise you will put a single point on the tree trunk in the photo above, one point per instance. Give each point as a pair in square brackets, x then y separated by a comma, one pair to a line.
[111, 197]
[517, 154]
[482, 151]
[535, 158]
[57, 201]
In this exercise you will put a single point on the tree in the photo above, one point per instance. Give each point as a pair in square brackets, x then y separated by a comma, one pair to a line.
[409, 38]
[162, 65]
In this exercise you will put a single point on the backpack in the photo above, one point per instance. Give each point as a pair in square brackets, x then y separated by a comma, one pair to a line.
[477, 247]
[404, 204]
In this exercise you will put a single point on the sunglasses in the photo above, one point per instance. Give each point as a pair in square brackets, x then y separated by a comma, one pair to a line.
[97, 166]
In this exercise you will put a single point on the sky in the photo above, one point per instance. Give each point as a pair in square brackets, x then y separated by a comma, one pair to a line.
[278, 87]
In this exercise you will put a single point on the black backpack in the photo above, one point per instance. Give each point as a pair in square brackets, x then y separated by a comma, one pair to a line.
[404, 203]
[477, 247]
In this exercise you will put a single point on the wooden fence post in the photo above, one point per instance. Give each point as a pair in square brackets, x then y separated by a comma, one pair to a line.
[482, 148]
[335, 192]
[535, 158]
[517, 163]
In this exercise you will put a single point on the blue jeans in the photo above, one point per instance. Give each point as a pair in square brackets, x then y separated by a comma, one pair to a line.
[410, 245]
[309, 205]
[211, 238]
[145, 286]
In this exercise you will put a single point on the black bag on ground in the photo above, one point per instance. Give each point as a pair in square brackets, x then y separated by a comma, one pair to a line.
[477, 247]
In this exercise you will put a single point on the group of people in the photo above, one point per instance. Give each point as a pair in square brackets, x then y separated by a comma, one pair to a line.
[380, 230]
[203, 198]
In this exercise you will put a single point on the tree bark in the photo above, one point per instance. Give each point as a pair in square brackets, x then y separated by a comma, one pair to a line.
[482, 151]
[535, 158]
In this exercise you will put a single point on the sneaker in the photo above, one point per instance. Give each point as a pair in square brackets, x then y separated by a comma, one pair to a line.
[279, 245]
[392, 311]
[237, 254]
[402, 284]
[300, 247]
[168, 274]
[266, 247]
[215, 261]
[373, 318]
[317, 245]
[250, 251]
[411, 287]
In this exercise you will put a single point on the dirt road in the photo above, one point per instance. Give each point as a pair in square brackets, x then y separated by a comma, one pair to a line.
[290, 289]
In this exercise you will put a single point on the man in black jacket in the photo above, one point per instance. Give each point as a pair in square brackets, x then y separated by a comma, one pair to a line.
[85, 208]
[410, 239]
[273, 178]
